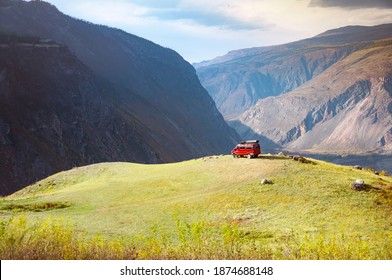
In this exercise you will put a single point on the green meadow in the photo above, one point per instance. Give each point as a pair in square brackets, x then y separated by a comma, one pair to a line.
[209, 208]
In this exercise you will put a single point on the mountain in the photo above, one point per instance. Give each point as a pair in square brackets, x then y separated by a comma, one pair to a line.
[236, 81]
[55, 114]
[75, 93]
[330, 93]
[346, 108]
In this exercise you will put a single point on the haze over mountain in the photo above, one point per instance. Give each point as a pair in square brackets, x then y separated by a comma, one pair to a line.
[330, 93]
[75, 93]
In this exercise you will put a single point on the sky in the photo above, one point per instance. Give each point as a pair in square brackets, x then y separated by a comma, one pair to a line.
[204, 29]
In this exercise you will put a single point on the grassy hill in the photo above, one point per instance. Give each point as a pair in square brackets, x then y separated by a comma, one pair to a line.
[213, 207]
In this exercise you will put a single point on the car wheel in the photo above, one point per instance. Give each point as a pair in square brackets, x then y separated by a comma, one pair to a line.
[249, 156]
[235, 156]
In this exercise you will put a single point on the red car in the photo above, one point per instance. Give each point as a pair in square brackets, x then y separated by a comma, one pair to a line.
[247, 149]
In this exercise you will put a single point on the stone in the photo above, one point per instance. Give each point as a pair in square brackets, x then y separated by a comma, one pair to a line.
[358, 185]
[302, 160]
[265, 181]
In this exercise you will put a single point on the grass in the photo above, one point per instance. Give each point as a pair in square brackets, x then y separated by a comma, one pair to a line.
[213, 208]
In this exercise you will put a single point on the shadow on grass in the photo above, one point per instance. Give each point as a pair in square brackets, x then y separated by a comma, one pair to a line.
[36, 207]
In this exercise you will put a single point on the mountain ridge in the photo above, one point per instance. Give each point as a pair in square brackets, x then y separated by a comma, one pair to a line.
[339, 36]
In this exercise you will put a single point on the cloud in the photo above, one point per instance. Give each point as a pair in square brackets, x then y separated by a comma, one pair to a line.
[223, 14]
[219, 13]
[160, 4]
[204, 18]
[352, 4]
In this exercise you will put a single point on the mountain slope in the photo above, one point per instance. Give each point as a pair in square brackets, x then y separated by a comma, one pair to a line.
[149, 104]
[56, 114]
[345, 108]
[239, 79]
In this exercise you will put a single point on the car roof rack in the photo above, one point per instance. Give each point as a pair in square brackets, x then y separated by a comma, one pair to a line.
[249, 141]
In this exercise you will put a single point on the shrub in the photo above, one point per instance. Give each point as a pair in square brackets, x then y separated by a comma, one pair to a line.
[57, 239]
